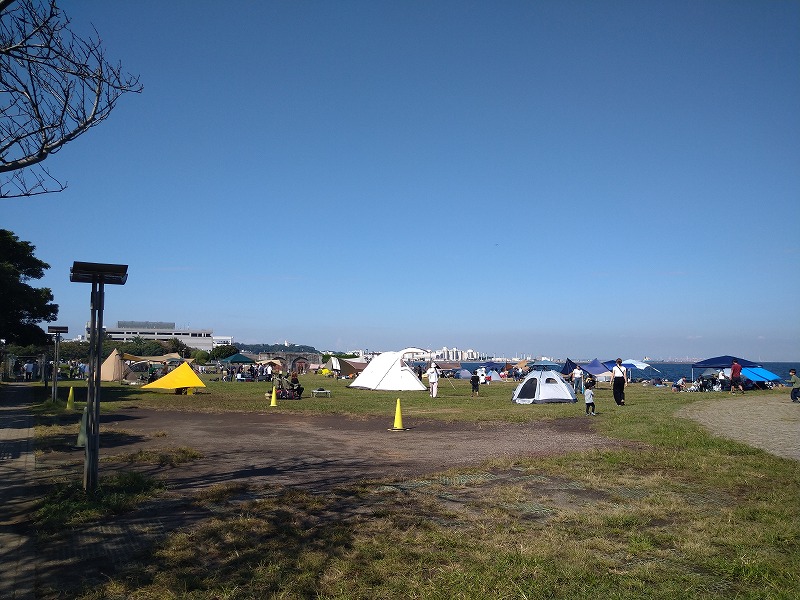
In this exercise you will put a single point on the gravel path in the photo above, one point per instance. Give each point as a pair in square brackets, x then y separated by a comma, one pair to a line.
[768, 422]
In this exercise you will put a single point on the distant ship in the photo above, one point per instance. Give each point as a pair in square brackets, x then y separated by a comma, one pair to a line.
[646, 358]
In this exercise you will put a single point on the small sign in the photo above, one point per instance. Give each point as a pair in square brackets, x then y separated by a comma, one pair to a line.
[57, 329]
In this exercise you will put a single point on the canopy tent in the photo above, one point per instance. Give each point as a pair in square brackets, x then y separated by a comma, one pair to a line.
[722, 362]
[597, 369]
[114, 368]
[181, 377]
[237, 358]
[540, 387]
[388, 371]
[630, 364]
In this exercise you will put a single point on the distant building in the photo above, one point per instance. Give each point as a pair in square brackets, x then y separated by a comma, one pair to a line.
[201, 339]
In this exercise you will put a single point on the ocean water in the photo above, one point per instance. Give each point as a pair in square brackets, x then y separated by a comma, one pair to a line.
[674, 371]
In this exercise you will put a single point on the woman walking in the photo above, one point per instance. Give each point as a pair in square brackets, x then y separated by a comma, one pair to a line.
[619, 381]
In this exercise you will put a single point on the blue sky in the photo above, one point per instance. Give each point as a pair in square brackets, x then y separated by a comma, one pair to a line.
[550, 178]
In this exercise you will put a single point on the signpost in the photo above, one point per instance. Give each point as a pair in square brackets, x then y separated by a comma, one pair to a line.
[56, 330]
[98, 274]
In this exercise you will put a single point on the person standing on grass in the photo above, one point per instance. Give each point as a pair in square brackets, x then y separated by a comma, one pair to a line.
[619, 382]
[588, 394]
[433, 379]
[577, 379]
[736, 376]
[476, 383]
[794, 381]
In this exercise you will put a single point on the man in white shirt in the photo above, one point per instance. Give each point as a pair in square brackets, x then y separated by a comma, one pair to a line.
[577, 380]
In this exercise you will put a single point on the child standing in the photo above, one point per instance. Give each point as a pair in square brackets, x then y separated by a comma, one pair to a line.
[794, 381]
[588, 395]
[475, 380]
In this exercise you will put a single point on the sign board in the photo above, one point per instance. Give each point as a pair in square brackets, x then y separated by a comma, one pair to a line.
[57, 329]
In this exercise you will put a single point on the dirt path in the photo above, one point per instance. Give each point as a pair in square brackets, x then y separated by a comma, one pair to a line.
[767, 422]
[320, 452]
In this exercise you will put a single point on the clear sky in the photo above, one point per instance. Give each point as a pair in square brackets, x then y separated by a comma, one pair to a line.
[560, 178]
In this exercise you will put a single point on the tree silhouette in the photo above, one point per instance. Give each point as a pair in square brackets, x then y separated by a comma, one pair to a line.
[54, 86]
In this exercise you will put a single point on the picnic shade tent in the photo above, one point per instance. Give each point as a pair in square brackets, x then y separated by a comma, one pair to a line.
[597, 369]
[722, 362]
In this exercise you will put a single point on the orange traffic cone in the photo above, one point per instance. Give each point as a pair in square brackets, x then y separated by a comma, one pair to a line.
[398, 419]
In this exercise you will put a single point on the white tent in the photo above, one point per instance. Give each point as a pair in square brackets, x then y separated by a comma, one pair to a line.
[541, 387]
[388, 371]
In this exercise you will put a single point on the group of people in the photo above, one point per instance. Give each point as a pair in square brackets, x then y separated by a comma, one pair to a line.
[619, 381]
[247, 373]
[288, 387]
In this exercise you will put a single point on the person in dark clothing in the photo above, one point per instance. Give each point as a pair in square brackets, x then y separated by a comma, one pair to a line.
[476, 383]
[618, 382]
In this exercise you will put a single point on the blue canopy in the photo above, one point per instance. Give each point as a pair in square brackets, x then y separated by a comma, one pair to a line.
[723, 362]
[595, 367]
[759, 374]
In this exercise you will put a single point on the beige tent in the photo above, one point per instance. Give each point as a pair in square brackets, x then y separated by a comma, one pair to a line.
[180, 378]
[114, 368]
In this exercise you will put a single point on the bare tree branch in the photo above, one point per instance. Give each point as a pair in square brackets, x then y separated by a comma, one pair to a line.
[54, 86]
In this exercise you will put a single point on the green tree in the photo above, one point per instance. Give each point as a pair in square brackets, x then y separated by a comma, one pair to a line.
[21, 305]
[175, 345]
[221, 352]
[74, 351]
[200, 356]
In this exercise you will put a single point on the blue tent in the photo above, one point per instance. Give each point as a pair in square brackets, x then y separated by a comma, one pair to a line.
[723, 362]
[462, 374]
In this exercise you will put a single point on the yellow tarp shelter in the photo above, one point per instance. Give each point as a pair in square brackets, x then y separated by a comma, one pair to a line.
[182, 377]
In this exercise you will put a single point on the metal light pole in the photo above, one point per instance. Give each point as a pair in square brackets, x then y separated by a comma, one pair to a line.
[98, 274]
[56, 330]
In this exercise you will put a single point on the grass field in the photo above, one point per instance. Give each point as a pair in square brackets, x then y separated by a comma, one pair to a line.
[683, 515]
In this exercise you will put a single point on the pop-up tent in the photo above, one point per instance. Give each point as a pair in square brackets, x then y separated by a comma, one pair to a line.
[180, 378]
[541, 387]
[388, 371]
